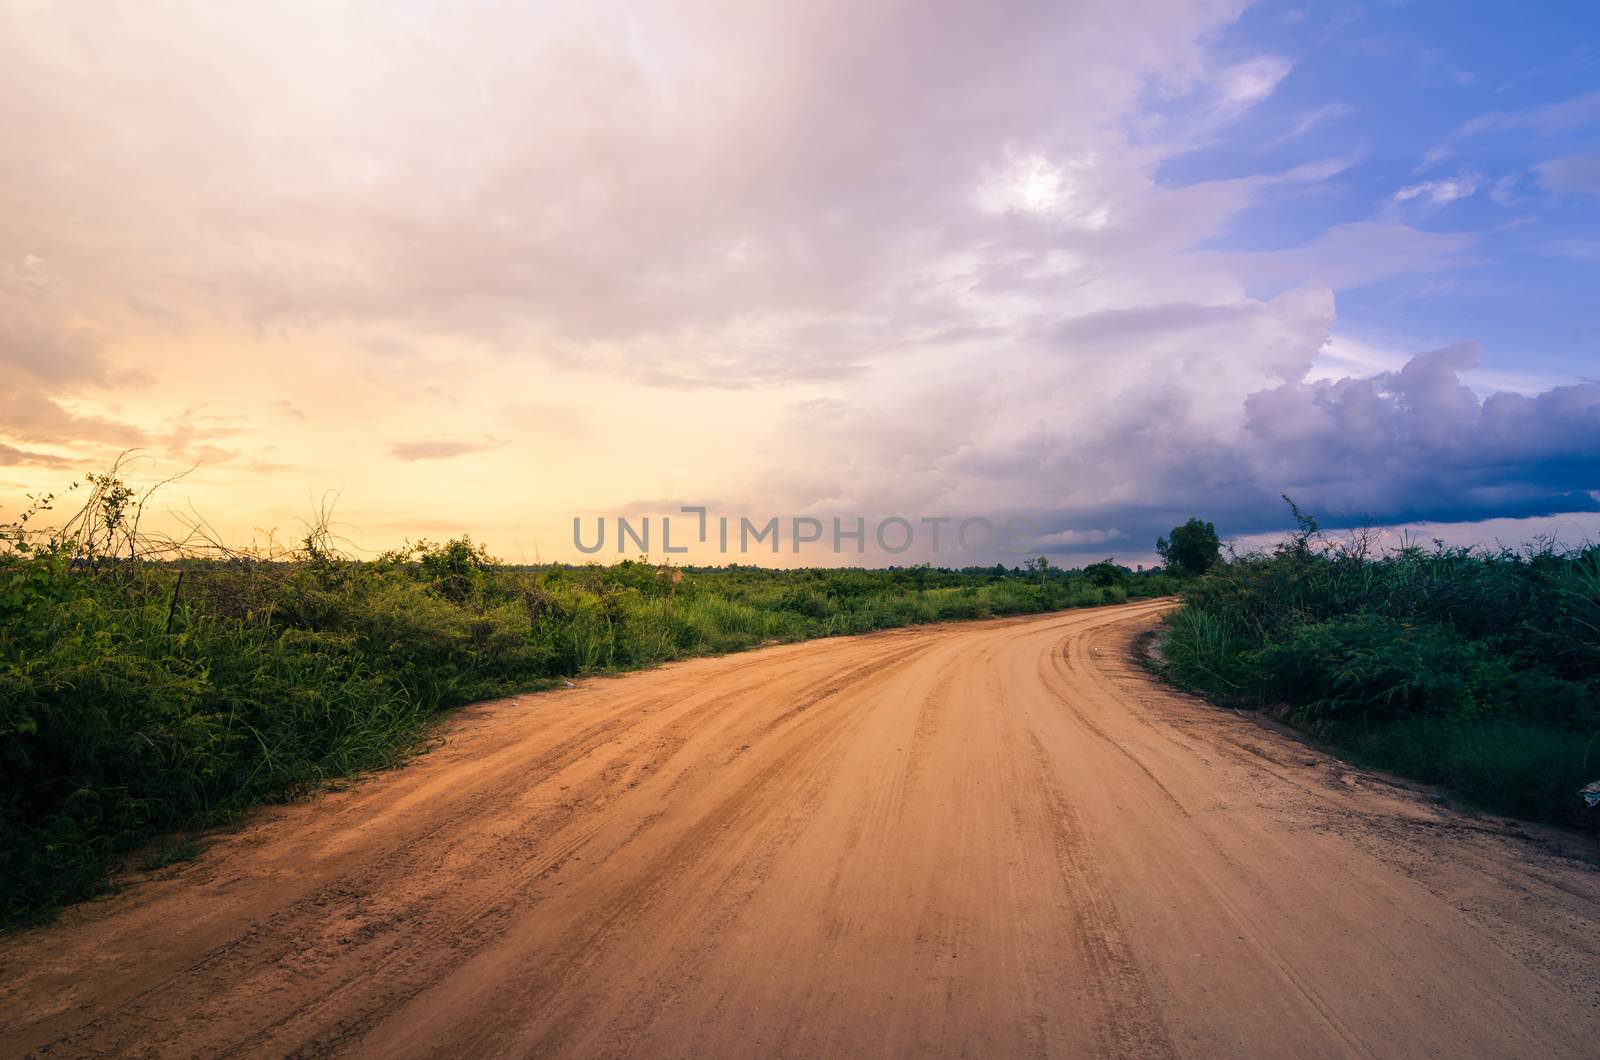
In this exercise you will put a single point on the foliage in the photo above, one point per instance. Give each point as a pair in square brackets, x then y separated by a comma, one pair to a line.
[1475, 669]
[1193, 548]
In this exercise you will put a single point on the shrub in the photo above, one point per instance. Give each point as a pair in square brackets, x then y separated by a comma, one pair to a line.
[1475, 669]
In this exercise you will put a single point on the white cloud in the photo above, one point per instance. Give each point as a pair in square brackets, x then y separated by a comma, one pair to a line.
[1504, 191]
[1312, 119]
[1574, 249]
[1349, 356]
[802, 255]
[1545, 120]
[1435, 193]
[1036, 185]
[1352, 255]
[1571, 175]
[1246, 84]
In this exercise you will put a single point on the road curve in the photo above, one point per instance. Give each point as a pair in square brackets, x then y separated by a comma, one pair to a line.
[988, 839]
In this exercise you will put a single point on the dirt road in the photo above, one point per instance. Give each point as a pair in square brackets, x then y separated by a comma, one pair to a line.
[992, 839]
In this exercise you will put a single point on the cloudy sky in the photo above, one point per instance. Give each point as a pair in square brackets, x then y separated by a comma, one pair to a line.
[1104, 265]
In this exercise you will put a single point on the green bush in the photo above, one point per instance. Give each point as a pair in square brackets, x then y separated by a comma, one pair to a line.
[1375, 667]
[1477, 670]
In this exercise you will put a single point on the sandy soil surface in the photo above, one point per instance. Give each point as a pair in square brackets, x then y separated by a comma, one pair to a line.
[990, 839]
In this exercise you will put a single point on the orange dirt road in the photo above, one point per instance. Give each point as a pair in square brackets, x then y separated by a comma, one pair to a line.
[991, 839]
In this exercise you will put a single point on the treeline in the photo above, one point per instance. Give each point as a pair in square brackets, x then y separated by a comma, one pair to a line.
[1474, 669]
[142, 696]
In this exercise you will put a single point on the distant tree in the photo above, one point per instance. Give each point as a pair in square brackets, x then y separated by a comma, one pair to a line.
[1193, 548]
[1106, 573]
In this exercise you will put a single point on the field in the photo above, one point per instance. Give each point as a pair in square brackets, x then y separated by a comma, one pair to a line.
[149, 696]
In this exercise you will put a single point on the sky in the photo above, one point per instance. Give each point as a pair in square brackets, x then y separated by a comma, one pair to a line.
[1099, 267]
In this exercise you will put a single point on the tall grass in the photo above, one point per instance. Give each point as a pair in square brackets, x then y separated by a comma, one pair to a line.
[147, 689]
[1479, 670]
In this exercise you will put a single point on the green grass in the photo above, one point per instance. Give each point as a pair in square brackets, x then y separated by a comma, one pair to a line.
[1510, 766]
[1475, 670]
[134, 706]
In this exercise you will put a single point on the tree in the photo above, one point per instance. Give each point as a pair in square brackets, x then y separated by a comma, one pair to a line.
[1193, 548]
[1106, 573]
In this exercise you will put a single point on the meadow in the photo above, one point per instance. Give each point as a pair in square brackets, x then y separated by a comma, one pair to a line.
[151, 689]
[1474, 669]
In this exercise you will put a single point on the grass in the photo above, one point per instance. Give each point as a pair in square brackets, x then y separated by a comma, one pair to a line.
[149, 691]
[1476, 670]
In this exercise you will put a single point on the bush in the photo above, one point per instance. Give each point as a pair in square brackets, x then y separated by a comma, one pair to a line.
[1374, 667]
[1516, 767]
[1478, 670]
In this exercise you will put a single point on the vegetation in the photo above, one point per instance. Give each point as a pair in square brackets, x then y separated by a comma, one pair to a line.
[1193, 548]
[1474, 669]
[153, 687]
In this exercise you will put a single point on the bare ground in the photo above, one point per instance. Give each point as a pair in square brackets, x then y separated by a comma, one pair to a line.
[990, 839]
